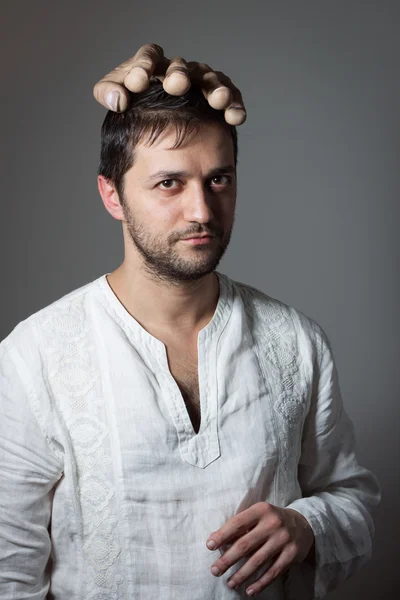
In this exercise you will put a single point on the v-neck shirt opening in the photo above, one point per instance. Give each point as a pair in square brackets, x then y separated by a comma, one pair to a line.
[221, 313]
[196, 448]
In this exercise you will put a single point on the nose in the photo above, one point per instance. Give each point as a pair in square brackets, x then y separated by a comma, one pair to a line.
[197, 204]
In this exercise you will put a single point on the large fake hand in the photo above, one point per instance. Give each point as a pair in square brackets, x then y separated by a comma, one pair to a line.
[177, 75]
[264, 532]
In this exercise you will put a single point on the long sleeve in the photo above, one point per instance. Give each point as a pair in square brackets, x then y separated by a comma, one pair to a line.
[29, 470]
[338, 493]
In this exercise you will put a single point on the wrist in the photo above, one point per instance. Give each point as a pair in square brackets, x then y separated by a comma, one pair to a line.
[309, 535]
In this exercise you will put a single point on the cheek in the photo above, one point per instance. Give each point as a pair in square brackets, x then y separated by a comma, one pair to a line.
[152, 209]
[228, 210]
[161, 218]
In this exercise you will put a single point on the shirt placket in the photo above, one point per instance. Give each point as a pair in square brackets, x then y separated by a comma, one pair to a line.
[202, 448]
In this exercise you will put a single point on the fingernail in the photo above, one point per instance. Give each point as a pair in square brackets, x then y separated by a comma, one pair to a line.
[113, 100]
[211, 545]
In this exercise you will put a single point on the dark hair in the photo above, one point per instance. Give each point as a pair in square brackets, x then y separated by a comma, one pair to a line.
[151, 112]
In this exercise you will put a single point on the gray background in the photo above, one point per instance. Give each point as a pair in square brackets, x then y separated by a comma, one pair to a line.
[318, 204]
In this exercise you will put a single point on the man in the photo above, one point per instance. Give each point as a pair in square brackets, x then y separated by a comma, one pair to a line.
[165, 406]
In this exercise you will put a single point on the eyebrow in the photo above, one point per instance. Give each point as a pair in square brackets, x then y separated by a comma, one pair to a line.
[175, 174]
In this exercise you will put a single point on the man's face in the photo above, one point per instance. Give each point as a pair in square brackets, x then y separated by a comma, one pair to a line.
[170, 194]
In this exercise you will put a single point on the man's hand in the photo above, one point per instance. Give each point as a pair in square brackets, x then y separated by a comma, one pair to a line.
[264, 532]
[177, 76]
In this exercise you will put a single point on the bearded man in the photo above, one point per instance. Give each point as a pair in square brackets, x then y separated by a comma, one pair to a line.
[169, 432]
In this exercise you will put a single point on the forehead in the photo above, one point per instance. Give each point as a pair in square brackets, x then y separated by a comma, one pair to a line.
[204, 147]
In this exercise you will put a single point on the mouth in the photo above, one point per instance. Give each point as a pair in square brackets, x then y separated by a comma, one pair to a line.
[203, 239]
[196, 237]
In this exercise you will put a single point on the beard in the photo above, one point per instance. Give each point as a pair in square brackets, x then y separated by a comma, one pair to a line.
[163, 261]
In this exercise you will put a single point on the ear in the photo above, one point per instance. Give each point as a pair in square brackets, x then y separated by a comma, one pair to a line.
[110, 198]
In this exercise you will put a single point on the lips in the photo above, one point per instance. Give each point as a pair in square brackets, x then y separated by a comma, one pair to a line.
[197, 237]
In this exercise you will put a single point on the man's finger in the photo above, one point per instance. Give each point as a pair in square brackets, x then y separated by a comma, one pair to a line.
[177, 77]
[283, 561]
[112, 91]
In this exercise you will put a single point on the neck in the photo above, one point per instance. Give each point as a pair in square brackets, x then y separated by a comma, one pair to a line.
[163, 309]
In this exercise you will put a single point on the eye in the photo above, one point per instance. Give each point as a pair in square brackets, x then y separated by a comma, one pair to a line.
[217, 180]
[165, 185]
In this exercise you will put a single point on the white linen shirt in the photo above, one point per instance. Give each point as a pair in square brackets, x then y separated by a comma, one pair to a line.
[107, 492]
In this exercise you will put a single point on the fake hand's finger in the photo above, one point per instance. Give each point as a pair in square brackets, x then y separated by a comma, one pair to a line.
[209, 81]
[149, 60]
[220, 92]
[177, 77]
[235, 113]
[112, 91]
